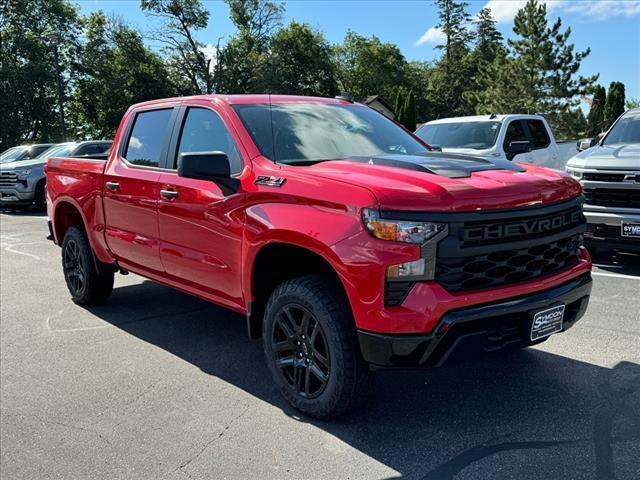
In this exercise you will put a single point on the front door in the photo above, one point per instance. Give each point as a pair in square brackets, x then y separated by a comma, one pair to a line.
[131, 191]
[200, 228]
[516, 132]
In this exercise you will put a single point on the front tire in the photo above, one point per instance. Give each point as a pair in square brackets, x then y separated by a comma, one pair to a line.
[311, 349]
[87, 285]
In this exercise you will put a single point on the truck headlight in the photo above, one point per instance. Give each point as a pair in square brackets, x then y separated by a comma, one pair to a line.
[400, 230]
[575, 174]
[23, 174]
[425, 234]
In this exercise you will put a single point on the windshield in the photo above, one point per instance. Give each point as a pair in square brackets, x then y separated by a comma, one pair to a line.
[626, 130]
[56, 151]
[474, 135]
[13, 154]
[312, 132]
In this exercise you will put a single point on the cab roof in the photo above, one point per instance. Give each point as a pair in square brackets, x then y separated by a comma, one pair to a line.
[248, 99]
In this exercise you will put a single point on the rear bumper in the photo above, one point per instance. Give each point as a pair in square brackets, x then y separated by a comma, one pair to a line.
[467, 333]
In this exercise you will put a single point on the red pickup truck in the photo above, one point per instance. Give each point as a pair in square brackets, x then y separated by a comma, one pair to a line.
[348, 244]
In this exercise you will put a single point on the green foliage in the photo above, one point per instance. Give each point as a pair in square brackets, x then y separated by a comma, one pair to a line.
[191, 68]
[302, 63]
[632, 103]
[29, 32]
[366, 66]
[115, 69]
[244, 64]
[454, 72]
[569, 124]
[614, 106]
[595, 118]
[539, 75]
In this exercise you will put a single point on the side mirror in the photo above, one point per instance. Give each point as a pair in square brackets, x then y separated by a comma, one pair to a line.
[436, 148]
[214, 166]
[586, 143]
[517, 147]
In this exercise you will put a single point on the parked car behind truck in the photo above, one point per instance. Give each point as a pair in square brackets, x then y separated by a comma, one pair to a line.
[523, 138]
[23, 182]
[345, 241]
[24, 152]
[609, 172]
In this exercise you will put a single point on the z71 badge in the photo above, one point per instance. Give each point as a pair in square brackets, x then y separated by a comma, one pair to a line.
[268, 181]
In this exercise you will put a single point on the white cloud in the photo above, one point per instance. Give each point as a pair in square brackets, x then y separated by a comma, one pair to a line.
[504, 11]
[433, 35]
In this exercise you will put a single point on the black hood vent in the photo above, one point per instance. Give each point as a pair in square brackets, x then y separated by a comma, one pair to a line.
[445, 164]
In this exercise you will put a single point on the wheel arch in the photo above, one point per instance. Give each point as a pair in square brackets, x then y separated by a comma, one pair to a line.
[268, 270]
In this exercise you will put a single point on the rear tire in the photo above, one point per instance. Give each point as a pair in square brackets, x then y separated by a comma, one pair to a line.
[41, 196]
[87, 285]
[311, 347]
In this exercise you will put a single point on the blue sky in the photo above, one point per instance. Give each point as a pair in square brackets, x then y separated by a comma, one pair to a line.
[611, 28]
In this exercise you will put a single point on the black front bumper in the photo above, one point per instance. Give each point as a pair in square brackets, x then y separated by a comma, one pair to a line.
[609, 237]
[471, 332]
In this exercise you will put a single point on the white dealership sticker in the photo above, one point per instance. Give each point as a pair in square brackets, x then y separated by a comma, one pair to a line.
[630, 229]
[547, 322]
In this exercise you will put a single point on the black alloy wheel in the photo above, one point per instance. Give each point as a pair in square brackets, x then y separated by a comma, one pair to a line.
[74, 268]
[301, 350]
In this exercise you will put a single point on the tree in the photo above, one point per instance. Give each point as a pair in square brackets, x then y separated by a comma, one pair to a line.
[595, 118]
[568, 125]
[453, 74]
[632, 103]
[366, 66]
[32, 34]
[302, 62]
[540, 73]
[193, 69]
[614, 106]
[115, 69]
[244, 64]
[488, 50]
[410, 112]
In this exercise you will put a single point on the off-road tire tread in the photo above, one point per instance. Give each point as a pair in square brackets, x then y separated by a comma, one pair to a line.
[99, 285]
[355, 380]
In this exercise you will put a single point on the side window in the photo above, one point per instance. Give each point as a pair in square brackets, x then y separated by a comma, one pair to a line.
[148, 134]
[204, 131]
[538, 134]
[89, 149]
[515, 133]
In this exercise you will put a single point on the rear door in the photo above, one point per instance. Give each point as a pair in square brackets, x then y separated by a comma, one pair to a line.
[516, 131]
[200, 228]
[131, 190]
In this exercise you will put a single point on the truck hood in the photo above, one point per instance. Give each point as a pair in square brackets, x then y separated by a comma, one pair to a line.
[609, 157]
[22, 164]
[446, 182]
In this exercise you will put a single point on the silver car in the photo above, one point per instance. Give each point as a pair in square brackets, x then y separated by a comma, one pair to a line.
[22, 182]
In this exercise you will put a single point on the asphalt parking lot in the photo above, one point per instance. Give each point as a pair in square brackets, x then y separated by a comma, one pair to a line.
[156, 384]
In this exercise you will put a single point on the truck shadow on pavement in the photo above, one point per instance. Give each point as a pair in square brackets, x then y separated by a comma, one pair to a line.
[526, 414]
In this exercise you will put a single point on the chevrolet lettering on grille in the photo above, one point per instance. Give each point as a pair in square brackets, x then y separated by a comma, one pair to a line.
[524, 227]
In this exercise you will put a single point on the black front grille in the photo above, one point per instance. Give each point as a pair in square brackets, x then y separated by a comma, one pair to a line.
[507, 266]
[396, 292]
[488, 249]
[604, 177]
[8, 179]
[613, 197]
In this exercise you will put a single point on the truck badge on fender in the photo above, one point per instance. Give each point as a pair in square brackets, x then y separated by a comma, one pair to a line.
[268, 181]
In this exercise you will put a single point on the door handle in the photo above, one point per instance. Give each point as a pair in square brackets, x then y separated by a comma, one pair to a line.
[113, 186]
[168, 194]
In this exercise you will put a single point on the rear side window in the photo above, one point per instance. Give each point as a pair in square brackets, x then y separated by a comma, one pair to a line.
[539, 134]
[515, 133]
[204, 131]
[148, 135]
